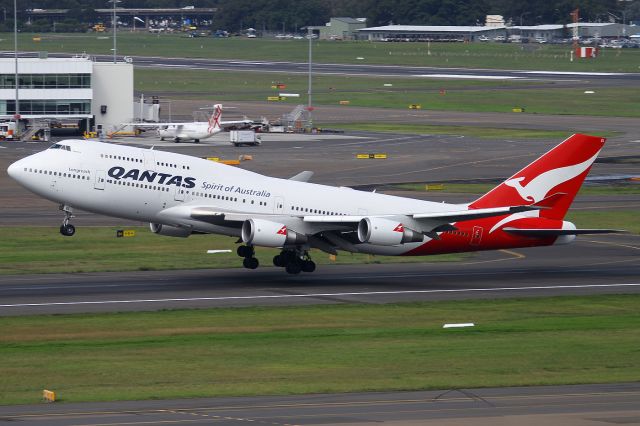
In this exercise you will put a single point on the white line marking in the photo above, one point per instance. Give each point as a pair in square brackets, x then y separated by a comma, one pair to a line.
[470, 76]
[312, 295]
[605, 74]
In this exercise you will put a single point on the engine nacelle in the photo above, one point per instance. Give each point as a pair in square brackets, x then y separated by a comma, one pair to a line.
[566, 239]
[266, 233]
[169, 231]
[385, 232]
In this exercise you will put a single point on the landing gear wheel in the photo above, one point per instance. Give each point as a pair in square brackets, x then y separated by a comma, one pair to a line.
[278, 260]
[161, 139]
[67, 229]
[196, 140]
[293, 268]
[250, 262]
[245, 251]
[177, 140]
[308, 266]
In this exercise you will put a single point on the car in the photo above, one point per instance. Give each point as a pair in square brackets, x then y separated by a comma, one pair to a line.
[540, 40]
[483, 38]
[500, 38]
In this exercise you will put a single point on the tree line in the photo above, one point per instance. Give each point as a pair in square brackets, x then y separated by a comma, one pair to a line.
[292, 15]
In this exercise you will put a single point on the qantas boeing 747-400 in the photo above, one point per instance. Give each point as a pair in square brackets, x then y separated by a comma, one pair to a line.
[181, 195]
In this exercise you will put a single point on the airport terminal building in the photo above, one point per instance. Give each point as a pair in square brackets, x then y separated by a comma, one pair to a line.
[490, 32]
[429, 33]
[98, 95]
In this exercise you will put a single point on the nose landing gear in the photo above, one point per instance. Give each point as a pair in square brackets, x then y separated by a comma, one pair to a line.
[66, 228]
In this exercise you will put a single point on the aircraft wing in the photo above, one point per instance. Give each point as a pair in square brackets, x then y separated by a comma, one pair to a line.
[442, 217]
[427, 221]
[225, 124]
[327, 232]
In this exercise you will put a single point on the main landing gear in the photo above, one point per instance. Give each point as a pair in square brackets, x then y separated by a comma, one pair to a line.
[249, 261]
[66, 228]
[294, 261]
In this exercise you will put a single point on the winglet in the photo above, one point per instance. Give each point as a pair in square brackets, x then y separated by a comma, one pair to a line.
[302, 176]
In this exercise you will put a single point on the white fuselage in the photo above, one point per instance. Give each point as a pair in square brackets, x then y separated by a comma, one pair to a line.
[163, 187]
[187, 131]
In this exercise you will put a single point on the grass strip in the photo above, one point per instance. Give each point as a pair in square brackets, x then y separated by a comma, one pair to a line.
[323, 348]
[464, 55]
[362, 91]
[40, 250]
[35, 250]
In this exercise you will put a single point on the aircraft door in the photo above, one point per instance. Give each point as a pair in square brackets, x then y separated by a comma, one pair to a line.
[149, 160]
[99, 182]
[476, 235]
[179, 194]
[278, 205]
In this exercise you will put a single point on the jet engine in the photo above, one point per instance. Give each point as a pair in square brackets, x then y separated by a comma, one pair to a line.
[265, 233]
[169, 231]
[385, 232]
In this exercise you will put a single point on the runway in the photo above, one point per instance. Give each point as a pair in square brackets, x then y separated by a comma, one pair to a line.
[284, 67]
[602, 265]
[553, 405]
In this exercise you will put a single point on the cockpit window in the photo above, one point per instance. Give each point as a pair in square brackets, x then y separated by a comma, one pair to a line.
[60, 146]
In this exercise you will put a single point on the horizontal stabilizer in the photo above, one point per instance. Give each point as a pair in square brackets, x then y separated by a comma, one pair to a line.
[558, 232]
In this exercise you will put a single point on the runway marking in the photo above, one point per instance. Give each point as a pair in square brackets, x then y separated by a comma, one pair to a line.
[470, 76]
[614, 244]
[317, 295]
[150, 422]
[604, 74]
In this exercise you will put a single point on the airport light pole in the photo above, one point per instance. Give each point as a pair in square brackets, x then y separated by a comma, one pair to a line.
[15, 53]
[114, 27]
[309, 107]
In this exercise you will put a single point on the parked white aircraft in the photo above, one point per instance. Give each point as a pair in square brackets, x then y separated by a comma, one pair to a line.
[194, 131]
[181, 195]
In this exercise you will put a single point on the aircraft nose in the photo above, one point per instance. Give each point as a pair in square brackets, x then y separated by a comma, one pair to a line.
[15, 170]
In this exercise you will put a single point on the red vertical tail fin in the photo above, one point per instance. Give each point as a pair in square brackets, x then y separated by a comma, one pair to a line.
[214, 120]
[559, 173]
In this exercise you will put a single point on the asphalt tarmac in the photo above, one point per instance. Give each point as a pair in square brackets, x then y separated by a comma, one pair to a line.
[599, 404]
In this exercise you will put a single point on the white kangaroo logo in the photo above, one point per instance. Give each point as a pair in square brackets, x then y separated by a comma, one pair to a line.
[540, 186]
